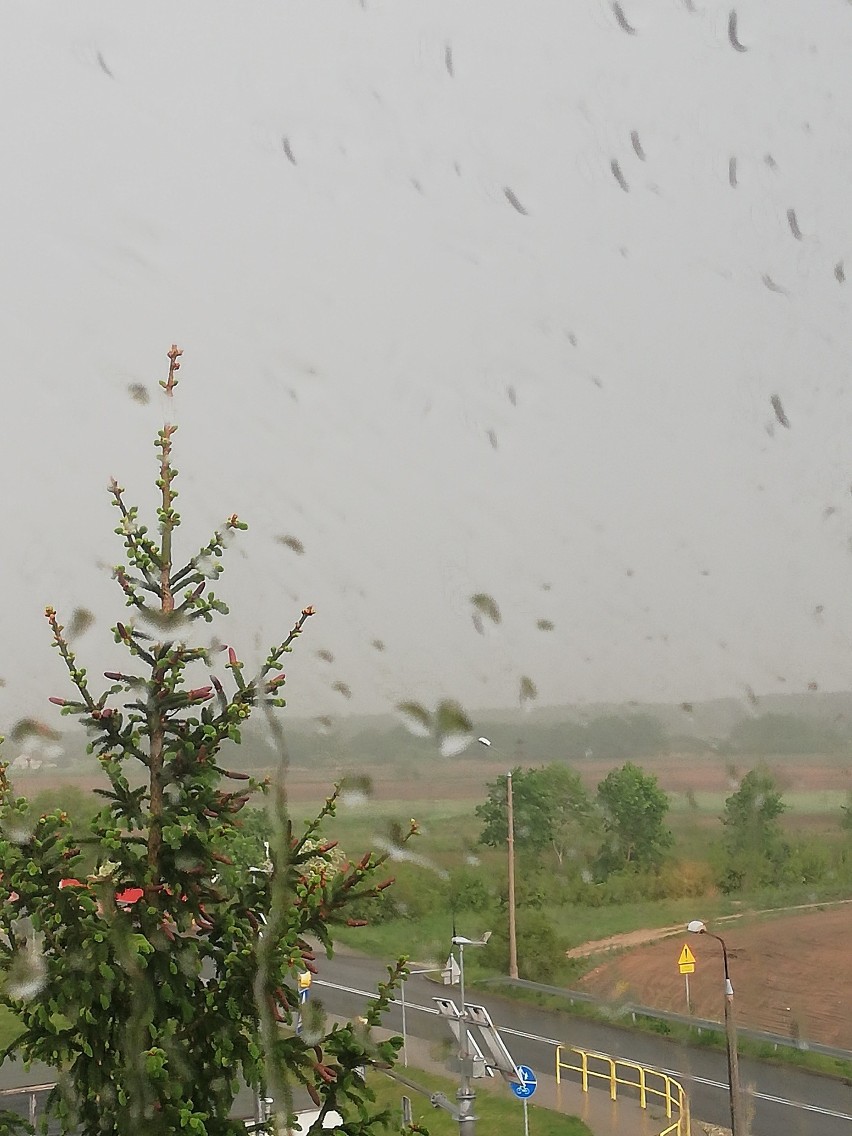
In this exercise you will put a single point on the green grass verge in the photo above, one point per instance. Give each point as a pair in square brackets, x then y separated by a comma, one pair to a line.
[687, 1035]
[497, 1112]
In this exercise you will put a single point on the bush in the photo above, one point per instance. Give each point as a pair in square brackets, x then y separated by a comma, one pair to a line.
[681, 879]
[541, 950]
[468, 890]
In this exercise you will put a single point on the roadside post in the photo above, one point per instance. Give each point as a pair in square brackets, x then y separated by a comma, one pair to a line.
[686, 964]
[304, 993]
[524, 1090]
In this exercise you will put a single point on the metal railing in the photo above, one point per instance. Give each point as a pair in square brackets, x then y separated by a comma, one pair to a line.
[634, 1011]
[649, 1083]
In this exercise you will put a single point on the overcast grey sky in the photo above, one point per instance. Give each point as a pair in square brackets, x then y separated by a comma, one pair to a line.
[434, 334]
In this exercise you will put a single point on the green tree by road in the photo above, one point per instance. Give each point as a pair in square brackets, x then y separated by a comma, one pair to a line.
[755, 853]
[551, 810]
[634, 810]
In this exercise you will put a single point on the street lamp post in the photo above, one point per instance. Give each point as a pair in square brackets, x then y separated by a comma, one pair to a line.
[510, 821]
[466, 1095]
[738, 1124]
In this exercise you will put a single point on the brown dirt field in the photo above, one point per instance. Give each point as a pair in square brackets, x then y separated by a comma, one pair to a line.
[446, 782]
[680, 772]
[465, 780]
[792, 974]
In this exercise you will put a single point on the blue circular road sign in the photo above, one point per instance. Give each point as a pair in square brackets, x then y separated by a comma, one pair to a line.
[529, 1083]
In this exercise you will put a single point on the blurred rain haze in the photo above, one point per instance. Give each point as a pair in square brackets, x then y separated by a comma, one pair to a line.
[430, 337]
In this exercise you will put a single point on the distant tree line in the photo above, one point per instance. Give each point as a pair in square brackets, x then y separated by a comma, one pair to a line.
[622, 828]
[785, 734]
[623, 825]
[612, 738]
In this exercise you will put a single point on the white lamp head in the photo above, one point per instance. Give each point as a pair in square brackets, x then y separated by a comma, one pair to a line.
[696, 927]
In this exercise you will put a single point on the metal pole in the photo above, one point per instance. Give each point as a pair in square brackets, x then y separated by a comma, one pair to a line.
[738, 1124]
[688, 1003]
[465, 1095]
[513, 939]
[404, 1034]
[526, 1119]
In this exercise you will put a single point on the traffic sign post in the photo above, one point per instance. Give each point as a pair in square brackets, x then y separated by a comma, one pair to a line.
[686, 965]
[524, 1090]
[304, 993]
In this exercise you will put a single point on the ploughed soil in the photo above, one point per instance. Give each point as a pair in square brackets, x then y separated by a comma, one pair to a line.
[791, 971]
[465, 779]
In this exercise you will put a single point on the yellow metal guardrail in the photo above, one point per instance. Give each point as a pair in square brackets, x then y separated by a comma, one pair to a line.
[648, 1082]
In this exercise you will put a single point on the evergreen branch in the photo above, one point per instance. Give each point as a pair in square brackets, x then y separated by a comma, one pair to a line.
[214, 548]
[328, 809]
[274, 658]
[173, 354]
[78, 675]
[140, 546]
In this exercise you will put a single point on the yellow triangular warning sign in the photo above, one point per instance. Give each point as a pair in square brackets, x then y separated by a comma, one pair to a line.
[686, 956]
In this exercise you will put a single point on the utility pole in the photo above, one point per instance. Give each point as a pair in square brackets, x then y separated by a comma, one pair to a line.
[513, 938]
[510, 838]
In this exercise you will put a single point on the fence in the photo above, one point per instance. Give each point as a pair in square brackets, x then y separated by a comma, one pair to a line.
[648, 1082]
[700, 1025]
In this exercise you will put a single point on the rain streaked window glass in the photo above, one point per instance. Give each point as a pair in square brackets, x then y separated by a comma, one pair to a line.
[518, 336]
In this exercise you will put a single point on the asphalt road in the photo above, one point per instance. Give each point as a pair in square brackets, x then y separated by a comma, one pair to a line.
[19, 1104]
[784, 1101]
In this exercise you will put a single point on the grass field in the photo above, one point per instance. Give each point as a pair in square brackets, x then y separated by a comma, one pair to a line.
[799, 801]
[498, 1111]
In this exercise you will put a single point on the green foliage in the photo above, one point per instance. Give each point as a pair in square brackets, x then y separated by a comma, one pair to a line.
[153, 1006]
[754, 852]
[634, 808]
[497, 1110]
[541, 950]
[784, 734]
[551, 810]
[467, 890]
